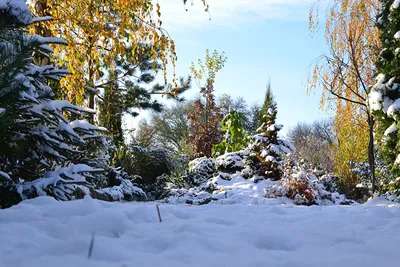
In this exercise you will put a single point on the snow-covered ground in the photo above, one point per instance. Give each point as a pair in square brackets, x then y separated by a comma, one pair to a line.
[43, 232]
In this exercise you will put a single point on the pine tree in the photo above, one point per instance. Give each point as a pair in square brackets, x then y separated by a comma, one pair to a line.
[126, 90]
[266, 145]
[384, 98]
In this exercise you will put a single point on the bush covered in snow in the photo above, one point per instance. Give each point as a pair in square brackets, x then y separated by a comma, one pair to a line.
[305, 189]
[392, 190]
[191, 196]
[231, 162]
[203, 165]
[300, 188]
[297, 185]
[146, 163]
[121, 189]
[200, 170]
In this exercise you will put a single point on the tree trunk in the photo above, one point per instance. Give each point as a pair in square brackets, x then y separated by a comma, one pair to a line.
[42, 9]
[91, 106]
[371, 154]
[91, 94]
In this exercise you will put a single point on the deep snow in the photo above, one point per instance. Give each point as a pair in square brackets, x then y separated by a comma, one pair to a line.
[43, 232]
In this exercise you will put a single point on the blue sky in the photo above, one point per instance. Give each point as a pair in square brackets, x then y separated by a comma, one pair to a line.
[263, 39]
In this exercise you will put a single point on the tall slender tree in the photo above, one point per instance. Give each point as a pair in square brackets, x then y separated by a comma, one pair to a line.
[205, 129]
[268, 103]
[266, 145]
[347, 71]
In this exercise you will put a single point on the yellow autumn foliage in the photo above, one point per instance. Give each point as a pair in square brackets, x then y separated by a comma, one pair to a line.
[98, 31]
[352, 141]
[345, 75]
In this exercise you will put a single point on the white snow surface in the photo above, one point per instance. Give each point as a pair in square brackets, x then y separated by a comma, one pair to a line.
[396, 4]
[377, 99]
[4, 176]
[397, 161]
[43, 232]
[237, 190]
[394, 108]
[392, 128]
[231, 159]
[19, 9]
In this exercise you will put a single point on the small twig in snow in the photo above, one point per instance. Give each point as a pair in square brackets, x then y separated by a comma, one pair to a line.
[158, 212]
[91, 246]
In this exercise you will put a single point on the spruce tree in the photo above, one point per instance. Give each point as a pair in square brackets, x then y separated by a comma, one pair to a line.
[41, 151]
[268, 102]
[129, 87]
[384, 98]
[268, 148]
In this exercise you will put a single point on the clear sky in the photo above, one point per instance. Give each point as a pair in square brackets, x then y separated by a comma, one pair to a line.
[263, 39]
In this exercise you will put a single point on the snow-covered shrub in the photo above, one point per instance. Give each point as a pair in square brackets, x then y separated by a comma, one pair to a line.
[126, 191]
[197, 173]
[363, 171]
[231, 162]
[192, 177]
[120, 187]
[177, 178]
[391, 190]
[204, 166]
[394, 194]
[296, 187]
[200, 170]
[304, 189]
[191, 196]
[160, 188]
[251, 163]
[148, 163]
[63, 184]
[330, 182]
[72, 182]
[156, 170]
